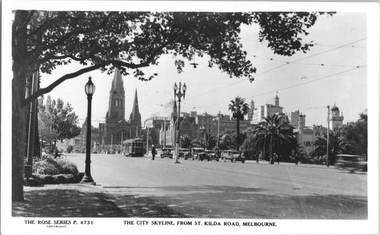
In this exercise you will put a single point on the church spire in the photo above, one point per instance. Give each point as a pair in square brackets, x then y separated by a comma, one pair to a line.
[135, 117]
[135, 110]
[116, 106]
[117, 82]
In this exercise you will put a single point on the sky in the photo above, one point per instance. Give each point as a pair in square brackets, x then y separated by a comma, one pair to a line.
[334, 71]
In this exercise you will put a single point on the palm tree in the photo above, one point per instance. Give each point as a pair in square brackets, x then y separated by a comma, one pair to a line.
[239, 109]
[274, 135]
[337, 145]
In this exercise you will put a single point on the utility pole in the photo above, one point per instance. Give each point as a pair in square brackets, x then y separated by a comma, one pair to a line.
[164, 142]
[111, 141]
[218, 130]
[147, 140]
[328, 133]
[121, 142]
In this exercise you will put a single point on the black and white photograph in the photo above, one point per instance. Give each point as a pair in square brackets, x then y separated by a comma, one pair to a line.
[189, 117]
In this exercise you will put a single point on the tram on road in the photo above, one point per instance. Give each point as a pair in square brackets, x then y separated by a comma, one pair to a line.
[134, 147]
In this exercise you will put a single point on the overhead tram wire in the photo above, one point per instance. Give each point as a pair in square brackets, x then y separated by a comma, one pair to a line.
[285, 88]
[280, 66]
[319, 64]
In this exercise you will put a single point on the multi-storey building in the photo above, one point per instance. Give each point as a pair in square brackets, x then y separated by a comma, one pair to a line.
[261, 112]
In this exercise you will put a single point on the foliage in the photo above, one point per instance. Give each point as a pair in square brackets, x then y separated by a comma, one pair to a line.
[239, 109]
[274, 135]
[57, 121]
[44, 40]
[51, 166]
[356, 134]
[337, 145]
[209, 141]
[185, 141]
[248, 147]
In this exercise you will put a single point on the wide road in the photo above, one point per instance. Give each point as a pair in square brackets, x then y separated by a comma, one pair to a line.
[213, 189]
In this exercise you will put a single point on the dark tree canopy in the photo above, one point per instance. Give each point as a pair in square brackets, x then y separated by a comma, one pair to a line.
[356, 134]
[133, 40]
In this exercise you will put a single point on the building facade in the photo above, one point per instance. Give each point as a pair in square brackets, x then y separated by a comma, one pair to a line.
[116, 128]
[261, 112]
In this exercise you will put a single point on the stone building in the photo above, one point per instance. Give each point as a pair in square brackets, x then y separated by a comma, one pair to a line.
[116, 128]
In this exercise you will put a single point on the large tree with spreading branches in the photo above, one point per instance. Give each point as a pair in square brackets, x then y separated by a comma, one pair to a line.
[130, 41]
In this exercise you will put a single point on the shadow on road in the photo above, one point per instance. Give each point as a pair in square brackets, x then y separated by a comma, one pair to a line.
[206, 201]
[65, 202]
[235, 202]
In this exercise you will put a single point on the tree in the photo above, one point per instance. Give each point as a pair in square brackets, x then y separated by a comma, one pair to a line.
[185, 141]
[57, 122]
[337, 145]
[239, 109]
[130, 41]
[356, 134]
[249, 147]
[274, 135]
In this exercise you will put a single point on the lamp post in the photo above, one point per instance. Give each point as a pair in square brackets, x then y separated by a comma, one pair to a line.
[202, 129]
[89, 88]
[178, 93]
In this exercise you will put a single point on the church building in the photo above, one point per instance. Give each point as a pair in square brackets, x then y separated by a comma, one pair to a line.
[116, 128]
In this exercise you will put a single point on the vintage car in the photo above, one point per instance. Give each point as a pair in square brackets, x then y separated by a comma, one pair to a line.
[196, 152]
[351, 162]
[166, 152]
[212, 155]
[184, 153]
[232, 155]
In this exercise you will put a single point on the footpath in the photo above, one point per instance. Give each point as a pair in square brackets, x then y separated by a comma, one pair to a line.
[81, 200]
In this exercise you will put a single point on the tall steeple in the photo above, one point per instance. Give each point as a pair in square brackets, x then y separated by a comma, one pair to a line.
[135, 109]
[116, 106]
[135, 117]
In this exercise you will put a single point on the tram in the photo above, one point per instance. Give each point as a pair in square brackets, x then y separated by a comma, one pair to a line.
[134, 147]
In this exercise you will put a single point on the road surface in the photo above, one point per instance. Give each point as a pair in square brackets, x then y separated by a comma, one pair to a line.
[202, 189]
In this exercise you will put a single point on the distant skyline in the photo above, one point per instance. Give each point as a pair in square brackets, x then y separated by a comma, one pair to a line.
[334, 71]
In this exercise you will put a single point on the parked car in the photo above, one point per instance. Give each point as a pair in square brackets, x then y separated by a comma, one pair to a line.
[212, 155]
[184, 153]
[196, 152]
[232, 155]
[166, 152]
[204, 155]
[351, 162]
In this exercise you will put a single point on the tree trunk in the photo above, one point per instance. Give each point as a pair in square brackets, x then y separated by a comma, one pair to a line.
[19, 115]
[21, 70]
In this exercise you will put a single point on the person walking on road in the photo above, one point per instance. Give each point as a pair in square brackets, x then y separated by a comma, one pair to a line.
[154, 152]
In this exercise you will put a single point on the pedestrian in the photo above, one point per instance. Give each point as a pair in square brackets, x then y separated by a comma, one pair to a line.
[277, 158]
[154, 152]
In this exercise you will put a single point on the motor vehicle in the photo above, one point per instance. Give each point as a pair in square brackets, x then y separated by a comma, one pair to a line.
[166, 152]
[212, 155]
[233, 156]
[184, 153]
[204, 155]
[351, 162]
[196, 152]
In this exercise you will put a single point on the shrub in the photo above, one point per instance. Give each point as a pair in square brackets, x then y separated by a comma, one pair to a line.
[68, 167]
[45, 167]
[50, 166]
[52, 171]
[54, 179]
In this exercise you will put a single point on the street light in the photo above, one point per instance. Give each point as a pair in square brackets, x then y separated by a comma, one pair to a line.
[202, 129]
[89, 88]
[179, 94]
